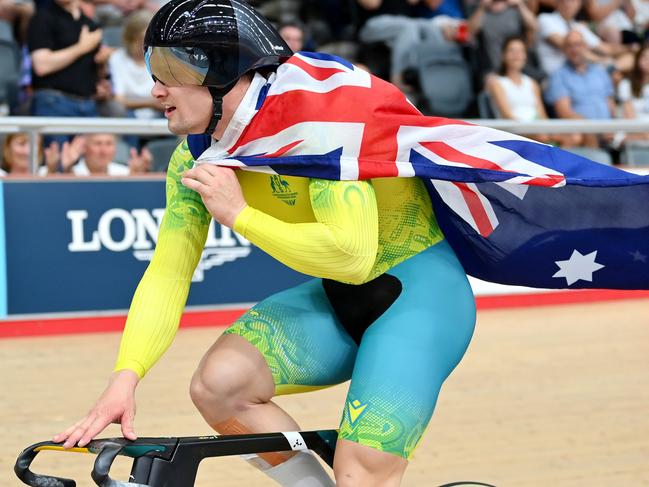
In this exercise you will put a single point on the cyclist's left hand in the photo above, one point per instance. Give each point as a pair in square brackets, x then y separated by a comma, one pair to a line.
[220, 190]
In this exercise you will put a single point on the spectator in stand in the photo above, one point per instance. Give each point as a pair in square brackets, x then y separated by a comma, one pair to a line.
[397, 24]
[15, 155]
[434, 8]
[131, 81]
[581, 89]
[330, 25]
[391, 22]
[641, 18]
[633, 93]
[494, 21]
[517, 96]
[65, 49]
[14, 17]
[95, 156]
[553, 28]
[614, 20]
[293, 34]
[113, 12]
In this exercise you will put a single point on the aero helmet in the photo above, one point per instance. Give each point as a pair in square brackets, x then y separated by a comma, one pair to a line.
[210, 43]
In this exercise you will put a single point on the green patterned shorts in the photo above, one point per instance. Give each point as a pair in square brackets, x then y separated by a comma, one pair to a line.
[403, 358]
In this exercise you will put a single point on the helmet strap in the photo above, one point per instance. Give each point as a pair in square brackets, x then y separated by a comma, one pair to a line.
[217, 109]
[217, 105]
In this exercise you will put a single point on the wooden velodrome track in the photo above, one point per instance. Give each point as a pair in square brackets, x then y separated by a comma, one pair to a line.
[548, 396]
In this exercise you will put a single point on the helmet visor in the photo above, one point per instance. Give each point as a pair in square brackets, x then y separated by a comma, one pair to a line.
[177, 66]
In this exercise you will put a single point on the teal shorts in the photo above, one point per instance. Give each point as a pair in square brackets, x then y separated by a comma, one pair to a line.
[400, 361]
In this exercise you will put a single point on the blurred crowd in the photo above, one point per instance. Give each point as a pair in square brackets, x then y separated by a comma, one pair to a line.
[516, 59]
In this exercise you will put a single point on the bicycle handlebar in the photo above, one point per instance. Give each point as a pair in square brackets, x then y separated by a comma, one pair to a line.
[172, 462]
[23, 472]
[102, 466]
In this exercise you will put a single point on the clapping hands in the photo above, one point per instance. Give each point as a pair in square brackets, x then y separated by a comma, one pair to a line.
[139, 163]
[65, 157]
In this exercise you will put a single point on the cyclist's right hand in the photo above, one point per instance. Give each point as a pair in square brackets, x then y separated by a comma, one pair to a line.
[115, 405]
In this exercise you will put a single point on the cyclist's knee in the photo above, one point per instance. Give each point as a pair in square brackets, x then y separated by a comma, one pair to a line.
[360, 465]
[211, 385]
[231, 376]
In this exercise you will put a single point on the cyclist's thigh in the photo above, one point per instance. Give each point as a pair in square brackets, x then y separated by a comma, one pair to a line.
[301, 339]
[405, 355]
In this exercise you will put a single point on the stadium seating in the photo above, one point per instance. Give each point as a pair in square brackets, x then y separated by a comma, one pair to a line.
[122, 152]
[161, 150]
[112, 35]
[485, 105]
[9, 72]
[635, 155]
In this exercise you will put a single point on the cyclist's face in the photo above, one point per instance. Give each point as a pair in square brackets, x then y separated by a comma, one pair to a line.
[188, 109]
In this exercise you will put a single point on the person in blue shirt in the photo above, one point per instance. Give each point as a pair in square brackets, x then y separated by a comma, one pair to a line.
[580, 89]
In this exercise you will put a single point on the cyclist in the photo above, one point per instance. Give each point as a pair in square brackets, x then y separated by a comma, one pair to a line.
[389, 307]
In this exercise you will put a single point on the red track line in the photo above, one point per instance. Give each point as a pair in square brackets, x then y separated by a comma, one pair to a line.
[99, 324]
[556, 297]
[216, 318]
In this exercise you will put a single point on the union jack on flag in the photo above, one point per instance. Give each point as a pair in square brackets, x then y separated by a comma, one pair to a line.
[514, 210]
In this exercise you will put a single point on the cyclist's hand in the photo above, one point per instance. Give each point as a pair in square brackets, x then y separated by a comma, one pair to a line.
[220, 190]
[115, 405]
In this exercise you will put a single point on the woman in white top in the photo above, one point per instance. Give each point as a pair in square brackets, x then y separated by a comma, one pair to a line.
[131, 82]
[15, 155]
[633, 92]
[516, 96]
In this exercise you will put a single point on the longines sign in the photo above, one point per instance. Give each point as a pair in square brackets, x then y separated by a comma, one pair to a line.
[83, 245]
[138, 233]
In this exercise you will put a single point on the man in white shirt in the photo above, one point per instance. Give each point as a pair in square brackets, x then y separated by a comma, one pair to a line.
[553, 28]
[94, 155]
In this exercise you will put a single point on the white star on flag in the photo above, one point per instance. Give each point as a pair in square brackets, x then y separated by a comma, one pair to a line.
[639, 256]
[578, 267]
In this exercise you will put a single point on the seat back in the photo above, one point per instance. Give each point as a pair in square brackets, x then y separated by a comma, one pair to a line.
[112, 35]
[485, 106]
[161, 151]
[635, 155]
[445, 80]
[9, 72]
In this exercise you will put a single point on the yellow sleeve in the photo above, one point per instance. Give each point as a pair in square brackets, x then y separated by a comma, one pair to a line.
[160, 297]
[342, 243]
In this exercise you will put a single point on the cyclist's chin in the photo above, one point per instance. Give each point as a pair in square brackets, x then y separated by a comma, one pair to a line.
[183, 127]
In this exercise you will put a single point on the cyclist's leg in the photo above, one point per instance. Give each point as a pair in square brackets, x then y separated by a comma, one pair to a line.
[402, 361]
[290, 342]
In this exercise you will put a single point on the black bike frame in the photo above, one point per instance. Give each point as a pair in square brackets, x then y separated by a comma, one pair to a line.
[173, 462]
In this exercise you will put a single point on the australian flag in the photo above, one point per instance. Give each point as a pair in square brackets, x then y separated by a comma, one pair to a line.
[514, 210]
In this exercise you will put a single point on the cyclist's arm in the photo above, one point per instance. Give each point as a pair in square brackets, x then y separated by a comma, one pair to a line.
[159, 300]
[341, 245]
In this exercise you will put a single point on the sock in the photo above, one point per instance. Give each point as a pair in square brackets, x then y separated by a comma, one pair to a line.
[301, 470]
